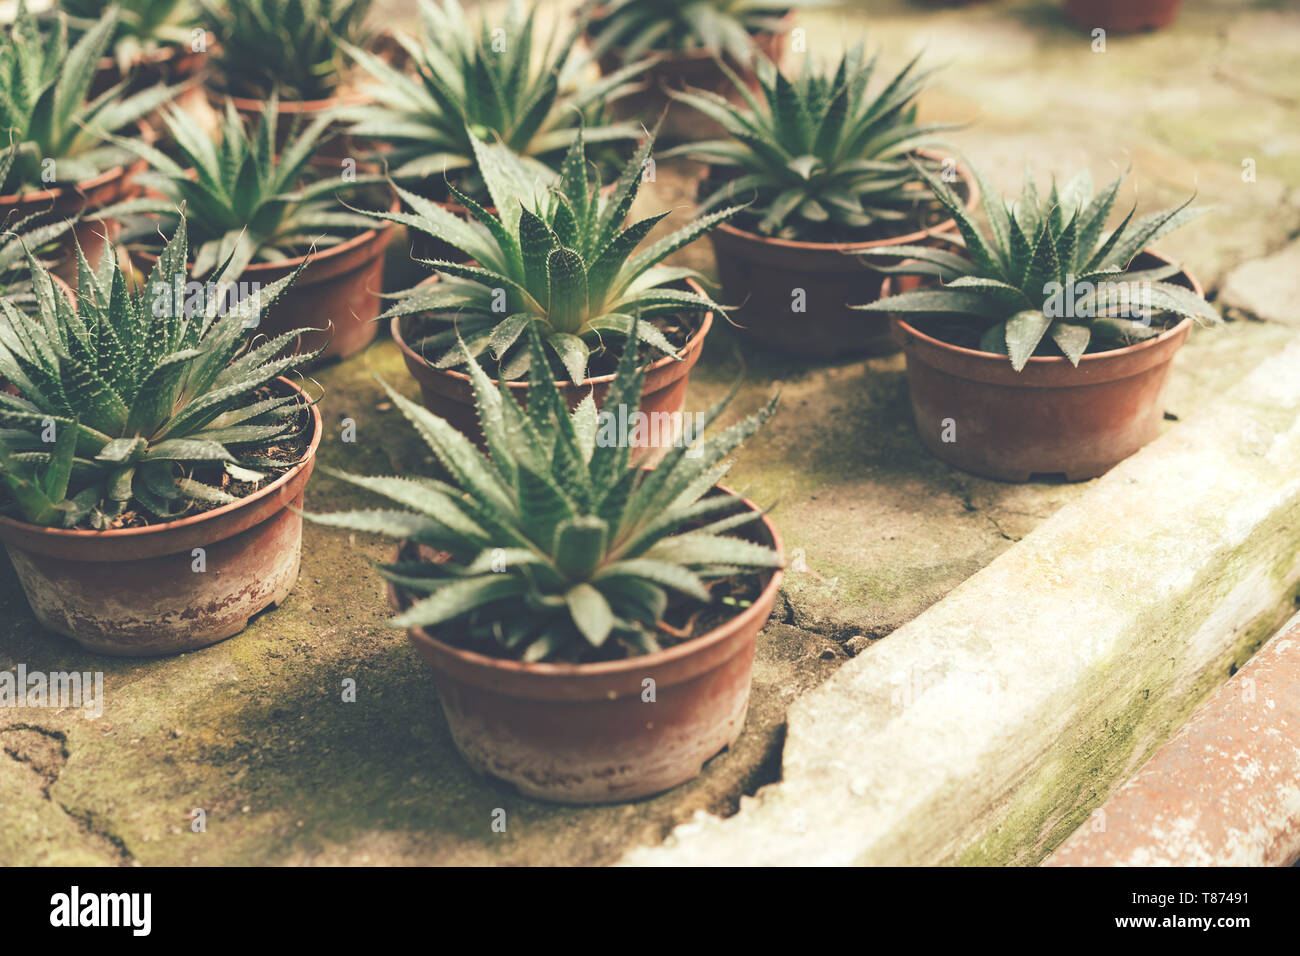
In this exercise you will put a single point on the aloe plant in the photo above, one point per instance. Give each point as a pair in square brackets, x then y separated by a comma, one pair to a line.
[723, 27]
[558, 259]
[148, 401]
[497, 83]
[244, 201]
[1048, 277]
[48, 124]
[822, 155]
[293, 46]
[558, 549]
[143, 25]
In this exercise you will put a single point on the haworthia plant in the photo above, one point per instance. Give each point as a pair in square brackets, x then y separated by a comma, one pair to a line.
[143, 25]
[1048, 277]
[821, 151]
[559, 259]
[53, 130]
[129, 400]
[293, 46]
[559, 549]
[724, 27]
[500, 83]
[245, 200]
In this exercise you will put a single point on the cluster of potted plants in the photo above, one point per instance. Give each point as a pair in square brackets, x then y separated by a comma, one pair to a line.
[153, 454]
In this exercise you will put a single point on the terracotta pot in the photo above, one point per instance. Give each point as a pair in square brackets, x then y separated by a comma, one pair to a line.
[303, 112]
[759, 274]
[450, 395]
[337, 294]
[693, 69]
[581, 733]
[166, 64]
[1123, 16]
[111, 186]
[134, 592]
[1049, 419]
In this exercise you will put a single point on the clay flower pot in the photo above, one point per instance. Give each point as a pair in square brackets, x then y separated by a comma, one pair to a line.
[450, 395]
[136, 591]
[760, 274]
[302, 112]
[1123, 16]
[337, 295]
[1051, 418]
[63, 202]
[581, 733]
[680, 70]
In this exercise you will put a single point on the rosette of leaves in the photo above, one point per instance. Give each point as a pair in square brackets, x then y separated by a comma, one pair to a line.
[558, 549]
[293, 46]
[245, 203]
[727, 28]
[1048, 278]
[142, 27]
[558, 259]
[148, 400]
[822, 155]
[53, 130]
[501, 83]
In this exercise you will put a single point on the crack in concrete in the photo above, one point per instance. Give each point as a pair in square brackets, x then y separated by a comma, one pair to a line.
[47, 758]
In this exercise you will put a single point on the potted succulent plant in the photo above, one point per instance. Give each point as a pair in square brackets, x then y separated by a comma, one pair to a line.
[826, 166]
[154, 41]
[148, 458]
[264, 216]
[52, 147]
[1044, 345]
[19, 238]
[1123, 16]
[685, 42]
[561, 260]
[590, 625]
[290, 48]
[466, 85]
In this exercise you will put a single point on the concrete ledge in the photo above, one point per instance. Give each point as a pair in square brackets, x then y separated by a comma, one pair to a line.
[989, 727]
[1224, 792]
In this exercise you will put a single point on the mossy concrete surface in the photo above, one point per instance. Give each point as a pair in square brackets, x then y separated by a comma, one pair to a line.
[986, 729]
[255, 732]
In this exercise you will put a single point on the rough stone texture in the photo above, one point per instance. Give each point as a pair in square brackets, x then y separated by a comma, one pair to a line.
[1225, 791]
[1268, 288]
[987, 728]
[877, 531]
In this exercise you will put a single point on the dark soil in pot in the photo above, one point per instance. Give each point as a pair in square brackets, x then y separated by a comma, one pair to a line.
[795, 296]
[583, 733]
[171, 587]
[975, 412]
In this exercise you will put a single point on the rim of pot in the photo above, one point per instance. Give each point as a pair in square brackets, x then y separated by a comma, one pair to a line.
[641, 661]
[158, 56]
[1091, 357]
[346, 246]
[86, 185]
[522, 384]
[972, 200]
[695, 53]
[215, 514]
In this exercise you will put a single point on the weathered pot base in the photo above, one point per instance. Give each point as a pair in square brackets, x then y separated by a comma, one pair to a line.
[162, 605]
